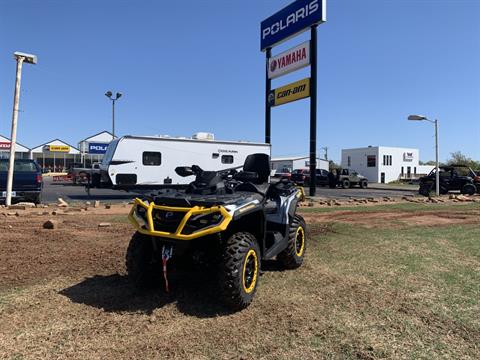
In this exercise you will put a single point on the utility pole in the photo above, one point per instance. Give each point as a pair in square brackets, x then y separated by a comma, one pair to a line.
[21, 58]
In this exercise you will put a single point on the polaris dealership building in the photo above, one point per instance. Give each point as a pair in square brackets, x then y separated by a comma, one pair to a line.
[384, 164]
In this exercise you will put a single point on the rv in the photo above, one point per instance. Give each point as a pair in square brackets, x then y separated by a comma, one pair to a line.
[149, 162]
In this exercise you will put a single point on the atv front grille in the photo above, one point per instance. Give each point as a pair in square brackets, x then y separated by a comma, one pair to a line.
[178, 222]
[167, 221]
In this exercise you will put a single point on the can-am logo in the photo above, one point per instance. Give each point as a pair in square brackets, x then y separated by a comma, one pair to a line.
[291, 19]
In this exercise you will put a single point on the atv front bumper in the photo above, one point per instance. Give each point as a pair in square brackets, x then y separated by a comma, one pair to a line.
[177, 222]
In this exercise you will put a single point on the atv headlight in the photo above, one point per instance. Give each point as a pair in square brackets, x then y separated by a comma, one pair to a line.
[202, 222]
[140, 215]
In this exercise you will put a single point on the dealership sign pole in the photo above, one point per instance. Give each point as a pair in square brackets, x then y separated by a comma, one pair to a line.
[281, 26]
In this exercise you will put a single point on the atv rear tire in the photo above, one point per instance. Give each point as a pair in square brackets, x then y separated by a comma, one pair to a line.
[345, 183]
[240, 269]
[363, 184]
[142, 268]
[469, 189]
[292, 256]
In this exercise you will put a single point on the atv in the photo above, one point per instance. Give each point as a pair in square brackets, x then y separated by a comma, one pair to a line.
[232, 220]
[452, 177]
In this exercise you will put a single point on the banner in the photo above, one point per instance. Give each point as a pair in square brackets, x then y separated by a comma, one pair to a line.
[97, 148]
[291, 20]
[291, 92]
[290, 60]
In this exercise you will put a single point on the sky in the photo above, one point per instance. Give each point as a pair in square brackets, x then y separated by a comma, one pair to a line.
[190, 66]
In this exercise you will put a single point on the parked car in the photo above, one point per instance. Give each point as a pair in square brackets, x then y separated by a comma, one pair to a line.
[284, 173]
[27, 180]
[452, 177]
[347, 178]
[322, 177]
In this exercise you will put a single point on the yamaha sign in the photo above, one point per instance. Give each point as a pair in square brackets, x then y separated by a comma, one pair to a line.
[290, 21]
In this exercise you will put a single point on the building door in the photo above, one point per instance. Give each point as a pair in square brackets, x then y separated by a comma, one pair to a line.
[382, 178]
[409, 172]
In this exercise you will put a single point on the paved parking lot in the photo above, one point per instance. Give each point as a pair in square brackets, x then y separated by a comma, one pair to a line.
[71, 193]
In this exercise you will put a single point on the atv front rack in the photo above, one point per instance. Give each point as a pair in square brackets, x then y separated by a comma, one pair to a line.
[178, 222]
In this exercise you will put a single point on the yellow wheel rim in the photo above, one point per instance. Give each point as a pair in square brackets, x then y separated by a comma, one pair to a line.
[250, 271]
[300, 241]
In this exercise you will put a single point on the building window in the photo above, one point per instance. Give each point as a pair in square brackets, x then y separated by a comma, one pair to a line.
[402, 171]
[215, 155]
[371, 160]
[227, 159]
[387, 160]
[415, 170]
[151, 158]
[349, 161]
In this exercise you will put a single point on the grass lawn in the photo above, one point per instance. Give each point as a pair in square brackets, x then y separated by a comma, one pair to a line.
[402, 283]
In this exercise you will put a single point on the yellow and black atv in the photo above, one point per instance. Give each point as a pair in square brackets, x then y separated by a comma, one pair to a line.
[233, 219]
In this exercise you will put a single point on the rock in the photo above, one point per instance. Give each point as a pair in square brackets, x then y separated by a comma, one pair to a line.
[50, 224]
[12, 213]
[62, 203]
[104, 224]
[26, 204]
[17, 207]
[310, 204]
[108, 206]
[96, 204]
[88, 203]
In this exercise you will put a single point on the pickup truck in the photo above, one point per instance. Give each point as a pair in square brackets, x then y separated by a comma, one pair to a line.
[27, 180]
[83, 174]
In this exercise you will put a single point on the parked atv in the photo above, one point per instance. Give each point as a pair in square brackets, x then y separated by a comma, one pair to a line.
[453, 177]
[231, 220]
[349, 178]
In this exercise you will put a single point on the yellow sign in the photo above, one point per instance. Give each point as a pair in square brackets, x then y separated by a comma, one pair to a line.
[59, 148]
[291, 92]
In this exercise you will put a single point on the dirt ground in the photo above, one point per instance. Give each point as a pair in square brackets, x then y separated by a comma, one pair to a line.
[64, 294]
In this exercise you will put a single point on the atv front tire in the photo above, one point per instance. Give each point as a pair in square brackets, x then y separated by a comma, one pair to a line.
[240, 269]
[292, 256]
[363, 184]
[142, 268]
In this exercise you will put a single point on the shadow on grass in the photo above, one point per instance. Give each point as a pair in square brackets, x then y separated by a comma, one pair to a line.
[194, 294]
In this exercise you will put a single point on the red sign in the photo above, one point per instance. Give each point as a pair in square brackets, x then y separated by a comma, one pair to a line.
[5, 145]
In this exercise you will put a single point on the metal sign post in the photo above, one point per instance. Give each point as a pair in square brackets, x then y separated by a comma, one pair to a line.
[313, 110]
[290, 21]
[268, 88]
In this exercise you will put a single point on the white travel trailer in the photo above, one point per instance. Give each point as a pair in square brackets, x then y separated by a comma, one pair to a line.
[149, 162]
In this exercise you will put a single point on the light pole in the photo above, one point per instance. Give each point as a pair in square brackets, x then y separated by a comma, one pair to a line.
[21, 58]
[117, 96]
[437, 174]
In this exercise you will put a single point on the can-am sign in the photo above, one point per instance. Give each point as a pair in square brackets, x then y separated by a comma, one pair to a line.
[291, 20]
[291, 92]
[290, 60]
[97, 148]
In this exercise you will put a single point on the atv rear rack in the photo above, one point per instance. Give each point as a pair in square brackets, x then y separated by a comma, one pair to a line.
[180, 223]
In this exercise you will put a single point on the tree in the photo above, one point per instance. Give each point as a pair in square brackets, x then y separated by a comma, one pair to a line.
[457, 158]
[332, 165]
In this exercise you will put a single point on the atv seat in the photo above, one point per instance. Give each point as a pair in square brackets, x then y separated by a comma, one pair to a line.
[254, 176]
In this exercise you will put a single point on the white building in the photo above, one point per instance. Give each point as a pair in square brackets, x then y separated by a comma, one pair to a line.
[296, 162]
[385, 164]
[55, 155]
[94, 147]
[21, 151]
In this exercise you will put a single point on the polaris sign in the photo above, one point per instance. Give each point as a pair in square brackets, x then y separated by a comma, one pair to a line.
[97, 148]
[291, 20]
